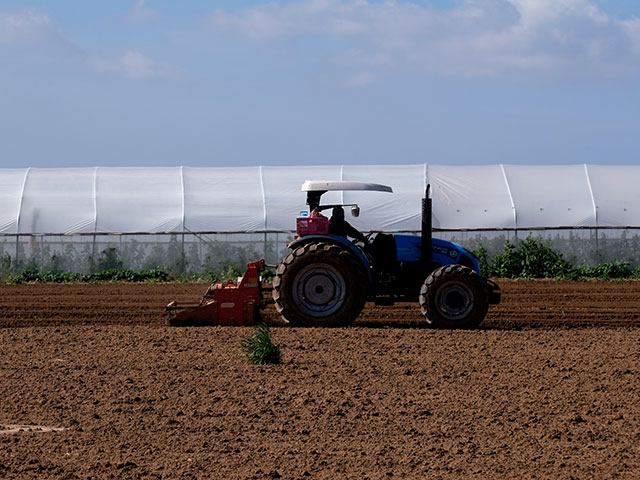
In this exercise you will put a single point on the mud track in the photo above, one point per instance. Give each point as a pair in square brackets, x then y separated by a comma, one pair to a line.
[93, 384]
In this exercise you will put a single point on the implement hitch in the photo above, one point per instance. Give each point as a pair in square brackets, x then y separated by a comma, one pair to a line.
[224, 303]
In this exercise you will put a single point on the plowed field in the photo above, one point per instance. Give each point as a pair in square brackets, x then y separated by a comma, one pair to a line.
[93, 384]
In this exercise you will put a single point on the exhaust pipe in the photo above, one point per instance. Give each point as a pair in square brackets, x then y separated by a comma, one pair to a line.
[427, 228]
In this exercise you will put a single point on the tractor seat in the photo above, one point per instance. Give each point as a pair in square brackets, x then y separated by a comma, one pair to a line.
[383, 250]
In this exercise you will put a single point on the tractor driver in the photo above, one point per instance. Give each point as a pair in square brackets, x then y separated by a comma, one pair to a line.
[339, 226]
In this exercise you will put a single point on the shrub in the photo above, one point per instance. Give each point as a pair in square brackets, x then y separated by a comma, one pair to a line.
[268, 274]
[607, 270]
[530, 259]
[533, 258]
[259, 350]
[483, 259]
[109, 259]
[230, 272]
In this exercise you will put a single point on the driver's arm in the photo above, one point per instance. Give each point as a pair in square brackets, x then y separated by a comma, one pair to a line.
[355, 233]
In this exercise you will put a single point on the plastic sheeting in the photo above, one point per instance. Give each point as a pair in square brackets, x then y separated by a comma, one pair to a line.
[267, 199]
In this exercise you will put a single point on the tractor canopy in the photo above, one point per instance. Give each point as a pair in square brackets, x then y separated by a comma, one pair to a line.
[325, 186]
[316, 188]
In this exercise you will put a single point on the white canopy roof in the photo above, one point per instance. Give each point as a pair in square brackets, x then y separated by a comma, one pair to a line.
[328, 185]
[260, 199]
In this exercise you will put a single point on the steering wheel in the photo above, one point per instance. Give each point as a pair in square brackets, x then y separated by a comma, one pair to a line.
[368, 236]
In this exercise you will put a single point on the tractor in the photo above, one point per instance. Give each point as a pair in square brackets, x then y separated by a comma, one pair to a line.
[327, 278]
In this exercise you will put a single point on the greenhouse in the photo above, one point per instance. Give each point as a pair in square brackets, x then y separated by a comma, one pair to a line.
[192, 219]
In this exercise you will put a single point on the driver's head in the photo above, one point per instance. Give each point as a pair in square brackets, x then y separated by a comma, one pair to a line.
[338, 213]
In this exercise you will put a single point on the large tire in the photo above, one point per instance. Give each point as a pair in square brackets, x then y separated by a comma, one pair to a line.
[454, 296]
[320, 285]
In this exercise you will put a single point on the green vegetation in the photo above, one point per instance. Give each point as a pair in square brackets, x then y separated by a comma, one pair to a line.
[259, 350]
[129, 261]
[528, 258]
[110, 275]
[534, 258]
[185, 256]
[223, 274]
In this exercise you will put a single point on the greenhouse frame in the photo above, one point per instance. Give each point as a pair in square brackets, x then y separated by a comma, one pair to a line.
[192, 219]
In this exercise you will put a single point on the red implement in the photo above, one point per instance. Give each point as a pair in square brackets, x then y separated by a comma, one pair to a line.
[224, 304]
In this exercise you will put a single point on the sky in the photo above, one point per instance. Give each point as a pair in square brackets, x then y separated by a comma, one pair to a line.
[318, 82]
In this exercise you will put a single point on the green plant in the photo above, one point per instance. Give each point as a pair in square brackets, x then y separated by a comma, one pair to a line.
[268, 274]
[535, 258]
[530, 258]
[230, 271]
[259, 350]
[607, 270]
[109, 259]
[483, 259]
[5, 262]
[112, 275]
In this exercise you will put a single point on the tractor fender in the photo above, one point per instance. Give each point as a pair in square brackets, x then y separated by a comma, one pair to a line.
[335, 240]
[445, 252]
[449, 253]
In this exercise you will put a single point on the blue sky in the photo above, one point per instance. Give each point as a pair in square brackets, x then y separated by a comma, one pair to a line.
[233, 83]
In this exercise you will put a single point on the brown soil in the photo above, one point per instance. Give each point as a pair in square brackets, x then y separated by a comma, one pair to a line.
[95, 385]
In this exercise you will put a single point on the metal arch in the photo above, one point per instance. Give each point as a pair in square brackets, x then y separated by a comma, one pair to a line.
[95, 200]
[593, 198]
[24, 185]
[264, 198]
[182, 214]
[513, 205]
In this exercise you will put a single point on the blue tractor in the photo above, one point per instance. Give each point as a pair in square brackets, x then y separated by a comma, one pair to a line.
[327, 279]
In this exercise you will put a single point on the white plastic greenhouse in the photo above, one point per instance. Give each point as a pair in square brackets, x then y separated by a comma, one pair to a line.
[183, 212]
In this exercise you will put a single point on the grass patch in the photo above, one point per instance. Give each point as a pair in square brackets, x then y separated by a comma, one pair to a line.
[259, 349]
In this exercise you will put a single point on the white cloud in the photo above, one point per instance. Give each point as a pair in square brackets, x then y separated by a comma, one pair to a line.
[632, 28]
[33, 31]
[141, 13]
[296, 18]
[476, 38]
[360, 80]
[29, 26]
[133, 65]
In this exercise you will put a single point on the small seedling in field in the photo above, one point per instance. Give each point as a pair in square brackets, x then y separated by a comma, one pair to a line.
[258, 349]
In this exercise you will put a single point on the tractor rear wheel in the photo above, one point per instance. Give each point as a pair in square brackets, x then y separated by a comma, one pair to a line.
[454, 296]
[320, 285]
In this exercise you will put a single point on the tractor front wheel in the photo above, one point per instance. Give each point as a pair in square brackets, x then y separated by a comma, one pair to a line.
[320, 285]
[454, 296]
